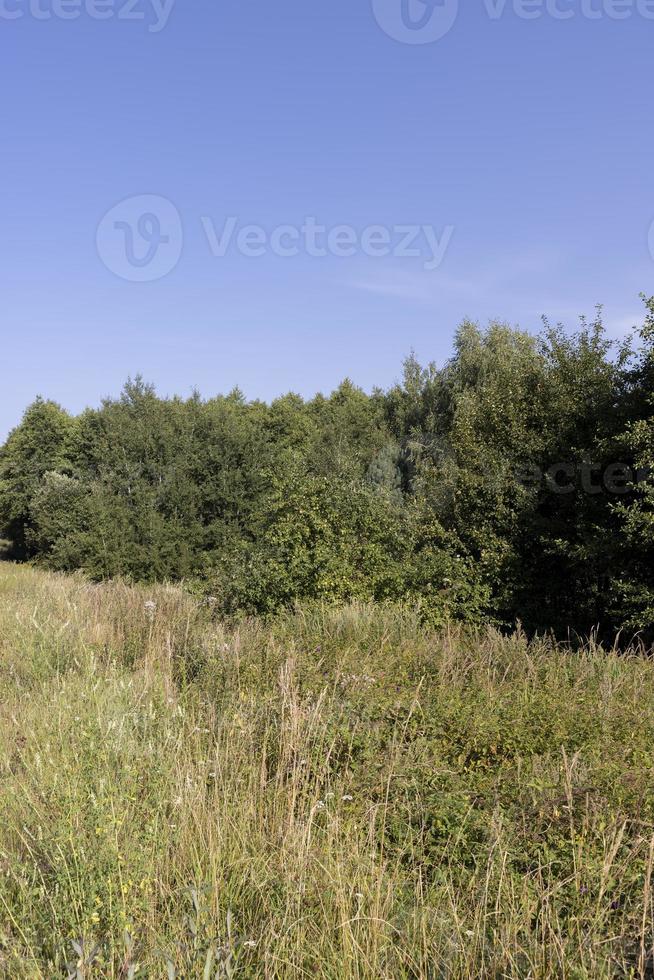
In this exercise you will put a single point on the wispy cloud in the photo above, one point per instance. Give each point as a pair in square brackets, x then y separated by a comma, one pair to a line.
[488, 280]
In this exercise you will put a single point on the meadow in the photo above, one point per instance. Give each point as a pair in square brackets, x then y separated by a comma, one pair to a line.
[334, 791]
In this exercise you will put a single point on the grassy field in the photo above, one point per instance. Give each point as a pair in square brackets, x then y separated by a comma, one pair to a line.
[337, 793]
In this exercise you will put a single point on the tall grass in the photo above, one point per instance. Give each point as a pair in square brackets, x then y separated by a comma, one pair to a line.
[335, 793]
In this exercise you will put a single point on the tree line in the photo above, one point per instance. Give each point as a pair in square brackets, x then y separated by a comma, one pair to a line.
[510, 484]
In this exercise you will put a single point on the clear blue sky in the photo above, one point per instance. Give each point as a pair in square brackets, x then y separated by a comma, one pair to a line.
[531, 138]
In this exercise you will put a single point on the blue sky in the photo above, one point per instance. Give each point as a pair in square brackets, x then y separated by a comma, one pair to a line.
[525, 144]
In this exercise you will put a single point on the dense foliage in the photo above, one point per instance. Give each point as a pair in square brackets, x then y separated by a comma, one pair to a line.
[510, 484]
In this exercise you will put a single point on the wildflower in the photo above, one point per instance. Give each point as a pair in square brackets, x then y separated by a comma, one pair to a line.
[320, 805]
[347, 798]
[250, 943]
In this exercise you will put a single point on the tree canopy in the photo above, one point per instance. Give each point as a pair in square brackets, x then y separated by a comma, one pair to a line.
[512, 483]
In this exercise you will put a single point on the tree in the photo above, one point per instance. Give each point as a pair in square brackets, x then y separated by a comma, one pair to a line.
[35, 447]
[633, 585]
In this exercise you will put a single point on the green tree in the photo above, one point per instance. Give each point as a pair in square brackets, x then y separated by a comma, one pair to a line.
[633, 585]
[35, 447]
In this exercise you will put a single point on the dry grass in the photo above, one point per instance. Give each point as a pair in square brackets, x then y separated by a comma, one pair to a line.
[336, 793]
